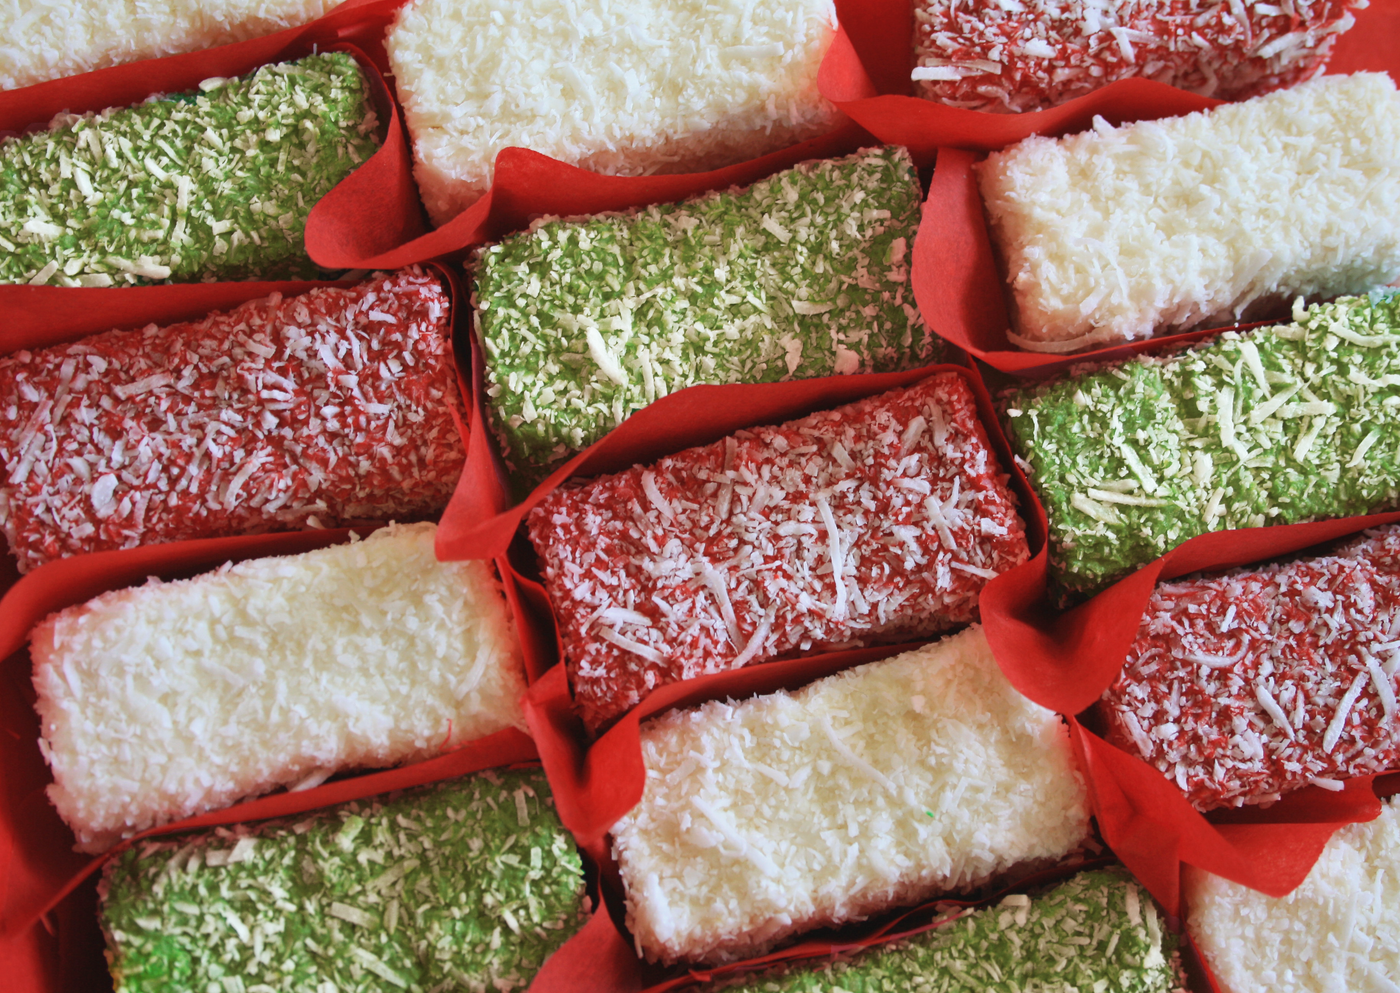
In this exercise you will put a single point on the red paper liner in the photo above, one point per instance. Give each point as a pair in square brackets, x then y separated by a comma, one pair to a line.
[956, 279]
[373, 210]
[59, 315]
[42, 876]
[596, 785]
[1065, 661]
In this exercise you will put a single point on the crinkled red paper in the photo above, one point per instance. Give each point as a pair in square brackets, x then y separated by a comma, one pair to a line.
[1065, 661]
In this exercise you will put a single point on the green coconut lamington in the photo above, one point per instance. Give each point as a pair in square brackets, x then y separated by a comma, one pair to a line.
[1096, 933]
[469, 885]
[800, 275]
[1278, 425]
[213, 184]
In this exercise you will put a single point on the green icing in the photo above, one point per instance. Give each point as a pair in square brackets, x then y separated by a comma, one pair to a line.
[803, 274]
[208, 185]
[470, 885]
[1096, 933]
[1131, 460]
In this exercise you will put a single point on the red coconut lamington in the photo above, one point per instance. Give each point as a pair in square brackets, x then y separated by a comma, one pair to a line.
[1023, 55]
[318, 410]
[878, 521]
[1245, 686]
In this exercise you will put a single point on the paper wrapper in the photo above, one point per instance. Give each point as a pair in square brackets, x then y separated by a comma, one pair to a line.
[1065, 661]
[49, 937]
[373, 210]
[956, 280]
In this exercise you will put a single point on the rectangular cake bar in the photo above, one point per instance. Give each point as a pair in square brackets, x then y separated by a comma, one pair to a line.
[1115, 234]
[1279, 425]
[800, 275]
[993, 56]
[1245, 686]
[881, 786]
[468, 885]
[619, 87]
[1098, 931]
[878, 521]
[67, 39]
[326, 408]
[163, 701]
[1339, 930]
[215, 184]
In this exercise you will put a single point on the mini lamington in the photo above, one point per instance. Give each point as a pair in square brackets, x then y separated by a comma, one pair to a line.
[326, 408]
[64, 39]
[467, 885]
[1246, 686]
[878, 521]
[1339, 930]
[215, 184]
[1030, 55]
[1097, 931]
[163, 701]
[624, 87]
[1118, 233]
[1279, 425]
[802, 274]
[881, 786]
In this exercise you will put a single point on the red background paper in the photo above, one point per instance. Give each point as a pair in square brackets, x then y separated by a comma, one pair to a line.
[46, 909]
[1065, 661]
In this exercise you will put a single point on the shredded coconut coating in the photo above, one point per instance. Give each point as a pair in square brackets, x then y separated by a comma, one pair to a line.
[878, 521]
[622, 88]
[1246, 686]
[1012, 57]
[49, 40]
[1098, 931]
[166, 700]
[1338, 931]
[880, 786]
[322, 409]
[208, 185]
[803, 274]
[1278, 425]
[1118, 233]
[469, 885]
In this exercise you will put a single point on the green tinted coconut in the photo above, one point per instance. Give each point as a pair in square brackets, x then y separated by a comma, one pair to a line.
[800, 275]
[1274, 426]
[212, 184]
[471, 884]
[1097, 931]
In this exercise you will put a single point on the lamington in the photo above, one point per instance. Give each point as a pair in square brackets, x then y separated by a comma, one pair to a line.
[878, 521]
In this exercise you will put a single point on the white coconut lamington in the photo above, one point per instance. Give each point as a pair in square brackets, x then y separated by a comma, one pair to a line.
[1338, 931]
[166, 700]
[1118, 233]
[1009, 57]
[1245, 686]
[47, 40]
[881, 786]
[878, 521]
[623, 88]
